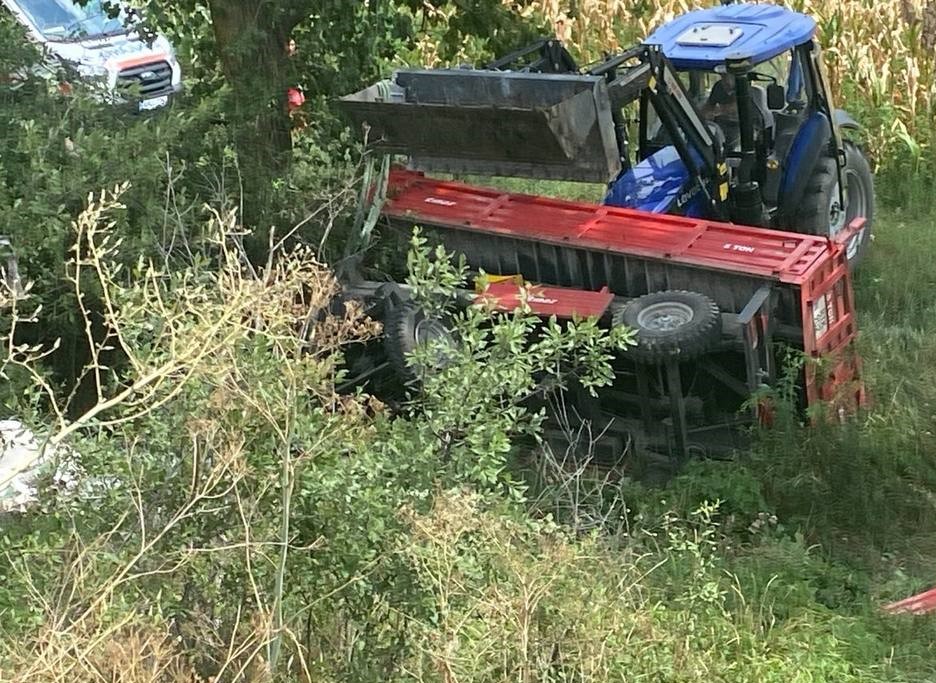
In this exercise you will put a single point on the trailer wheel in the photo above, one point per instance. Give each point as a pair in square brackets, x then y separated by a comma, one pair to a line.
[408, 327]
[671, 324]
[822, 211]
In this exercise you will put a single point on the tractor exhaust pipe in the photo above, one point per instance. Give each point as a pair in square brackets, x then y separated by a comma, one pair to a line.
[748, 202]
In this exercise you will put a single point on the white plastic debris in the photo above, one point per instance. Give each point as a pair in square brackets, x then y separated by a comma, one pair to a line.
[22, 463]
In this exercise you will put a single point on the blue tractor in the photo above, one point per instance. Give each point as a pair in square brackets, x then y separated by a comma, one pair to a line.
[754, 73]
[730, 109]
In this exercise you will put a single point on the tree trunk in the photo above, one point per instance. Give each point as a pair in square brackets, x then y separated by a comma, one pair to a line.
[251, 36]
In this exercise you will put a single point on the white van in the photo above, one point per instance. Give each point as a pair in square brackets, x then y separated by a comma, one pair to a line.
[84, 36]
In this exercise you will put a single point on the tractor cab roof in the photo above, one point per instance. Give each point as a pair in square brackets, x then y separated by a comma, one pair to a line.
[707, 38]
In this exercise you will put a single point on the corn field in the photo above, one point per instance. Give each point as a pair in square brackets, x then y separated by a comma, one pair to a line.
[880, 56]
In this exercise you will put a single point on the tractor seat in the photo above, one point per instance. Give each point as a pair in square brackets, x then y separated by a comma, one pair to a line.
[759, 96]
[763, 122]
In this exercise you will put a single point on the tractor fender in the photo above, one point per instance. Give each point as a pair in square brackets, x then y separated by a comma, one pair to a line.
[844, 120]
[809, 146]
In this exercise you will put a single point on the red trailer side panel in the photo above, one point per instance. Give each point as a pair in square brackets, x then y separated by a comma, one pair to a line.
[784, 256]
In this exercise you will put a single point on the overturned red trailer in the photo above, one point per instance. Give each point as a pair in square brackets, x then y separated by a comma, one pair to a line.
[715, 305]
[716, 294]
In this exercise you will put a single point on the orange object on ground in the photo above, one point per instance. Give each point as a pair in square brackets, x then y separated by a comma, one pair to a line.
[921, 603]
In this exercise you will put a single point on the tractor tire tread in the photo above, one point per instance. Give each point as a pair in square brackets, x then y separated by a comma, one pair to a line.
[692, 340]
[399, 335]
[812, 215]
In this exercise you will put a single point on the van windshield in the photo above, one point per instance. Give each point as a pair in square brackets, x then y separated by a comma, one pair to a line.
[68, 20]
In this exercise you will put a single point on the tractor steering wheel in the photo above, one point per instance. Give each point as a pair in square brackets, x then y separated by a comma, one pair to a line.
[759, 77]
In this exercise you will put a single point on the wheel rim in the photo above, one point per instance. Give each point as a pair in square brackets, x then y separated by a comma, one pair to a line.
[428, 330]
[855, 206]
[431, 331]
[665, 316]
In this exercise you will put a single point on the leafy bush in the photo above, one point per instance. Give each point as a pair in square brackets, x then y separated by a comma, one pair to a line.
[240, 519]
[223, 475]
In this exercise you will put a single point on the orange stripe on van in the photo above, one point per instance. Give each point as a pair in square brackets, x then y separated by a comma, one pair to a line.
[137, 61]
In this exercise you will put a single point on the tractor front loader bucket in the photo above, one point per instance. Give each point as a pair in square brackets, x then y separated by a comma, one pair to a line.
[534, 125]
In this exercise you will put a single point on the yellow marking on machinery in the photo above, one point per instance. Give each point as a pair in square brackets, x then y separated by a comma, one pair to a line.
[486, 280]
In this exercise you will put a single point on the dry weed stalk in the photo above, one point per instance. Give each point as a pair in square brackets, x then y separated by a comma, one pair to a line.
[174, 329]
[191, 334]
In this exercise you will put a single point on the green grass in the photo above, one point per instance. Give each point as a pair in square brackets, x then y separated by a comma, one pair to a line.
[862, 496]
[896, 299]
[897, 319]
[864, 493]
[573, 191]
[853, 508]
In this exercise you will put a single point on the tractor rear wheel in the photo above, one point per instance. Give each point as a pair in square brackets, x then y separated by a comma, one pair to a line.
[409, 327]
[822, 211]
[670, 324]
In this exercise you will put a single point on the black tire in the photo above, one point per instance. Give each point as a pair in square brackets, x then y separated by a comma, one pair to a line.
[406, 327]
[654, 470]
[671, 324]
[821, 213]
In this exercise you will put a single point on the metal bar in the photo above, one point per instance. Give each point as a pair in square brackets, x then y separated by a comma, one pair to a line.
[768, 362]
[733, 422]
[758, 343]
[822, 347]
[725, 378]
[615, 61]
[797, 254]
[593, 221]
[625, 89]
[745, 119]
[367, 374]
[670, 120]
[669, 96]
[494, 206]
[749, 332]
[680, 249]
[620, 136]
[677, 409]
[696, 129]
[754, 305]
[643, 391]
[509, 59]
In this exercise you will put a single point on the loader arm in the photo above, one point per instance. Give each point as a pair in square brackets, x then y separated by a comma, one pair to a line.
[552, 57]
[687, 132]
